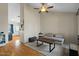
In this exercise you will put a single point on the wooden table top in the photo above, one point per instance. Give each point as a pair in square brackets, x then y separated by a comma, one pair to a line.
[47, 40]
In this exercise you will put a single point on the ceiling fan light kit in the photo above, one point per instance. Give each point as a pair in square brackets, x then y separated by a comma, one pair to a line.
[44, 8]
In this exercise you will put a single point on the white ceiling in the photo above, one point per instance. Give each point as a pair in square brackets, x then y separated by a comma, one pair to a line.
[59, 7]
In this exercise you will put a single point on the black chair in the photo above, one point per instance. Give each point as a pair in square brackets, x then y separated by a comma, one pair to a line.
[10, 36]
[73, 52]
[32, 39]
[3, 39]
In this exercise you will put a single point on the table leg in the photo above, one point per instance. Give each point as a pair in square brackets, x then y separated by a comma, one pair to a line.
[42, 43]
[50, 49]
[39, 44]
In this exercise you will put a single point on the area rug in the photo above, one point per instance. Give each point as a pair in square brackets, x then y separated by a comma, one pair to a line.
[44, 49]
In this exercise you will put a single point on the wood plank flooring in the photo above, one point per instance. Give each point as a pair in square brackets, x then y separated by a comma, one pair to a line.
[15, 48]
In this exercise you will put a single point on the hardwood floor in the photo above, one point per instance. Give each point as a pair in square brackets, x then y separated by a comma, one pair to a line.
[15, 48]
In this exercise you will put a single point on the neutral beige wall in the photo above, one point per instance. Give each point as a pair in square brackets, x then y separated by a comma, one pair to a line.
[4, 18]
[57, 23]
[60, 23]
[78, 24]
[31, 22]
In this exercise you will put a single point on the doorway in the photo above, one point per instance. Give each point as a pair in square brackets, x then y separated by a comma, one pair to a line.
[13, 21]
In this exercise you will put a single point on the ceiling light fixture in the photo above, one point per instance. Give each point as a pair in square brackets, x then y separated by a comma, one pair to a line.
[43, 9]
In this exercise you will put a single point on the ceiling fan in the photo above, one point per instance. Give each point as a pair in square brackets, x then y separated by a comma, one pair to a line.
[44, 7]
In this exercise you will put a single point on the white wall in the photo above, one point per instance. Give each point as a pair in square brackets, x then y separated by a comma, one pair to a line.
[60, 23]
[31, 22]
[4, 18]
[21, 19]
[13, 13]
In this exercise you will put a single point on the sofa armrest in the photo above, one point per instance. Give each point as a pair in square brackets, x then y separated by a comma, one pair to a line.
[58, 39]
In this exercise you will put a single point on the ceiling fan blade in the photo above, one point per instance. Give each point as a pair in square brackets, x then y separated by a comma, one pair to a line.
[36, 8]
[50, 7]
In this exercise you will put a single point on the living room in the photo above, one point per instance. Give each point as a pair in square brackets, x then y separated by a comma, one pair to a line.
[60, 20]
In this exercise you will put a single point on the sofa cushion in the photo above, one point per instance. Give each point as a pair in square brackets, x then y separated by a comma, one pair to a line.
[59, 39]
[59, 36]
